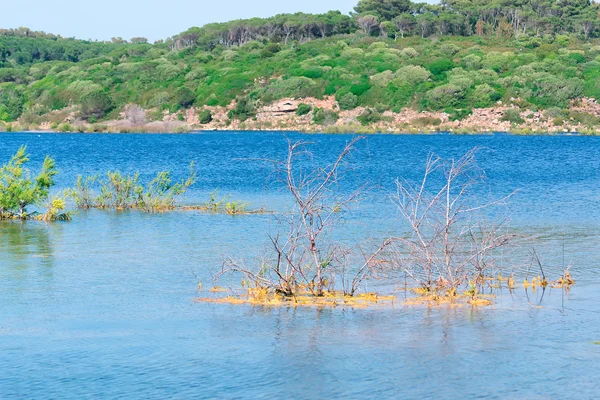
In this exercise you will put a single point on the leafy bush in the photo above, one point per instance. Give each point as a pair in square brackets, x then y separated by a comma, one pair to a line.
[444, 96]
[296, 87]
[184, 97]
[449, 49]
[369, 116]
[303, 109]
[322, 116]
[577, 57]
[205, 116]
[243, 110]
[118, 191]
[270, 50]
[95, 104]
[18, 190]
[348, 101]
[413, 74]
[458, 114]
[513, 116]
[409, 52]
[438, 67]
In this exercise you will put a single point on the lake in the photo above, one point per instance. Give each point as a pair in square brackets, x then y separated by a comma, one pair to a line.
[103, 306]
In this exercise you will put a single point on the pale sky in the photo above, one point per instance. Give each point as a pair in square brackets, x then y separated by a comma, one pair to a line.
[154, 19]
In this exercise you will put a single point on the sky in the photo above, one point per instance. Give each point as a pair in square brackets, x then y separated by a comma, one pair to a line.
[153, 19]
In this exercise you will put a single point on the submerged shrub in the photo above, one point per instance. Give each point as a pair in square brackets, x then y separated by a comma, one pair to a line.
[18, 190]
[119, 191]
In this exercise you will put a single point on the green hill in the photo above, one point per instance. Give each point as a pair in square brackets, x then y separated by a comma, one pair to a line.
[391, 65]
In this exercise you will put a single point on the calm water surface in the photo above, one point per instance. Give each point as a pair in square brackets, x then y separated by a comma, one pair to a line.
[102, 307]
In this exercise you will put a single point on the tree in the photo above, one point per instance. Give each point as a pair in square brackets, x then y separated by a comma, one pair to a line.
[184, 97]
[405, 24]
[387, 29]
[139, 40]
[135, 114]
[205, 116]
[387, 10]
[368, 23]
[95, 104]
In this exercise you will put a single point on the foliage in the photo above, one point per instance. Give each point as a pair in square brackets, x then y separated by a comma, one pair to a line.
[323, 116]
[205, 116]
[243, 110]
[369, 116]
[235, 207]
[303, 109]
[471, 53]
[19, 190]
[512, 115]
[118, 191]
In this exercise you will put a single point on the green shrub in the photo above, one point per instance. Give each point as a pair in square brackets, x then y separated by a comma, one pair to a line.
[324, 117]
[270, 50]
[303, 109]
[439, 67]
[513, 116]
[95, 105]
[18, 190]
[458, 114]
[577, 57]
[449, 49]
[369, 116]
[444, 96]
[118, 191]
[243, 110]
[205, 116]
[348, 101]
[295, 87]
[184, 97]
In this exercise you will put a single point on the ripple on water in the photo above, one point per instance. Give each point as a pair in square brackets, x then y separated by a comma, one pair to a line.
[102, 306]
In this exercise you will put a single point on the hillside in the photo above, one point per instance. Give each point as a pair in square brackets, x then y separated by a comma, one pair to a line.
[393, 65]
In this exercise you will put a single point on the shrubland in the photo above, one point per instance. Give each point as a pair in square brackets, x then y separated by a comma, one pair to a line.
[389, 55]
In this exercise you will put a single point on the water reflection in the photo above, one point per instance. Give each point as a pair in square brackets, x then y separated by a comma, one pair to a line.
[25, 245]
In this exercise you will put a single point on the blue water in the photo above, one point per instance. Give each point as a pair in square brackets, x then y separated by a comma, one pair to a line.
[102, 306]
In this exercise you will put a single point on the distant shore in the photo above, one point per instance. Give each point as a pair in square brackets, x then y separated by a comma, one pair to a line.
[311, 115]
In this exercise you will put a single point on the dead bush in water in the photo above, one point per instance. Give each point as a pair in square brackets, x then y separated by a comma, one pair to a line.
[305, 261]
[451, 244]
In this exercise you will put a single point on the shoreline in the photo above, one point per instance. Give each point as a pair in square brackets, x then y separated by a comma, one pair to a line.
[315, 132]
[288, 115]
